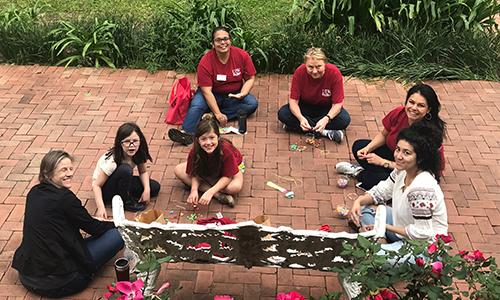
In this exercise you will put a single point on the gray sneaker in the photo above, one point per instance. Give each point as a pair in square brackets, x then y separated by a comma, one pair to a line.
[347, 168]
[335, 135]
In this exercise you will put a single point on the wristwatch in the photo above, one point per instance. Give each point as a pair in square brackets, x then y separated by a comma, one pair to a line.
[329, 118]
[386, 164]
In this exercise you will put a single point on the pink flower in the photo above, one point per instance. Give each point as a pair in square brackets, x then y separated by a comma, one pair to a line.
[463, 253]
[444, 237]
[325, 227]
[130, 291]
[437, 266]
[388, 295]
[293, 295]
[420, 261]
[111, 288]
[432, 248]
[223, 297]
[165, 286]
[108, 295]
[478, 255]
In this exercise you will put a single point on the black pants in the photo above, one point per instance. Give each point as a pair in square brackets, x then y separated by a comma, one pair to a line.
[128, 187]
[313, 113]
[372, 174]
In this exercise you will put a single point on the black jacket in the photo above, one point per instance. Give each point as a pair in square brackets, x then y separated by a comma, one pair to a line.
[52, 243]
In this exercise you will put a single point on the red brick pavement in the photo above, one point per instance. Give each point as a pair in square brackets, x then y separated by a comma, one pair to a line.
[79, 110]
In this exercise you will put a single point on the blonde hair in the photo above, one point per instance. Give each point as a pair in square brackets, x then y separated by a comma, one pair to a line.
[315, 53]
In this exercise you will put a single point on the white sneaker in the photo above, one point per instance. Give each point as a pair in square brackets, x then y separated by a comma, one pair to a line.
[335, 135]
[347, 168]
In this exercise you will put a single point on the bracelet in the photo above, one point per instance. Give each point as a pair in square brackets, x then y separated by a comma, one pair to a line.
[329, 118]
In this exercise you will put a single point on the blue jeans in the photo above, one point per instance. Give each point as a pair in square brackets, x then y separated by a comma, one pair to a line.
[368, 218]
[102, 248]
[313, 113]
[227, 106]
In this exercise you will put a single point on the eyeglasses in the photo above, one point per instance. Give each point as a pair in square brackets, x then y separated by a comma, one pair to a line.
[220, 40]
[128, 143]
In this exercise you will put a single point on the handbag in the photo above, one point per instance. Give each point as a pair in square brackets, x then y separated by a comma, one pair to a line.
[180, 96]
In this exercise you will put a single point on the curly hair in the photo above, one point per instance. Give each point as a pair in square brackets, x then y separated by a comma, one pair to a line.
[426, 139]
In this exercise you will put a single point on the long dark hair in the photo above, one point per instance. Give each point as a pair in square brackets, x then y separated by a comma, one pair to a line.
[200, 165]
[433, 103]
[426, 140]
[141, 156]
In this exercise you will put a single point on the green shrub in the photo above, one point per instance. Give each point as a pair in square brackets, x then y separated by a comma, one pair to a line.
[370, 16]
[23, 34]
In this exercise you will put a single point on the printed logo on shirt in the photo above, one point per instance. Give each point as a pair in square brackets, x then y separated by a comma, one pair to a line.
[326, 93]
[236, 72]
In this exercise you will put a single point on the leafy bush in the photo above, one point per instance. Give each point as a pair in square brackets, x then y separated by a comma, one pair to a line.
[370, 16]
[427, 270]
[87, 46]
[23, 33]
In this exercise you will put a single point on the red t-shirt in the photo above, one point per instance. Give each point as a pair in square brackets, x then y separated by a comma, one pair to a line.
[231, 159]
[225, 78]
[324, 91]
[394, 122]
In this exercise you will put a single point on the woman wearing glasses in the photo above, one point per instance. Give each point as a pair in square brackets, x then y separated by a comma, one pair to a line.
[225, 75]
[113, 174]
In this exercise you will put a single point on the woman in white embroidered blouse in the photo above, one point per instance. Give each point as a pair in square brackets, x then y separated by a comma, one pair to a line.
[418, 207]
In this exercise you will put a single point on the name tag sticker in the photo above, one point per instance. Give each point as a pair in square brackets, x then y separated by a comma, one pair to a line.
[221, 77]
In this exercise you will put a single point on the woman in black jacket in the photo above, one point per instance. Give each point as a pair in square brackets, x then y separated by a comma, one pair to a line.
[54, 260]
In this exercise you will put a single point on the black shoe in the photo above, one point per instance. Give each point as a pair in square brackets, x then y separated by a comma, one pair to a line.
[134, 206]
[180, 137]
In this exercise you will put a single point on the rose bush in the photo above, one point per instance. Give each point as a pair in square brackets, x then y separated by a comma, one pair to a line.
[426, 271]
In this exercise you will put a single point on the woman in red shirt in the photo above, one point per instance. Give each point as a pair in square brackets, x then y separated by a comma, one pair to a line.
[225, 75]
[316, 99]
[214, 166]
[376, 157]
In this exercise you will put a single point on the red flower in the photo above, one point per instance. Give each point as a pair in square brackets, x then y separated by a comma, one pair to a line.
[325, 227]
[432, 248]
[420, 261]
[478, 255]
[388, 295]
[463, 253]
[290, 296]
[437, 266]
[444, 237]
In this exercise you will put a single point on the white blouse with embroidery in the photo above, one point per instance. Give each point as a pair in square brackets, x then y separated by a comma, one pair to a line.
[419, 208]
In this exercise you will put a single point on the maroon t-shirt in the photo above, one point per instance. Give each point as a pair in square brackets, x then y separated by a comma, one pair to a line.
[395, 121]
[231, 159]
[324, 91]
[225, 78]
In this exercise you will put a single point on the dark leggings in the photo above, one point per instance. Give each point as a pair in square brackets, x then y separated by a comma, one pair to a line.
[372, 174]
[313, 113]
[129, 187]
[101, 249]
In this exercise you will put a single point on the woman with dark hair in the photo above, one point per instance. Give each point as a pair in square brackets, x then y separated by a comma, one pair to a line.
[226, 75]
[53, 259]
[418, 208]
[214, 166]
[113, 174]
[375, 157]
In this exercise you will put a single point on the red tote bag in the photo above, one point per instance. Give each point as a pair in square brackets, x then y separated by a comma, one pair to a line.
[180, 96]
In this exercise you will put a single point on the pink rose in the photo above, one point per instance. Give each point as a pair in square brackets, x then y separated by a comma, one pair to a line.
[223, 297]
[432, 248]
[444, 237]
[293, 295]
[478, 255]
[437, 266]
[420, 261]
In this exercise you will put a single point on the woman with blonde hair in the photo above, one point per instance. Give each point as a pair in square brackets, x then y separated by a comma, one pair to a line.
[316, 99]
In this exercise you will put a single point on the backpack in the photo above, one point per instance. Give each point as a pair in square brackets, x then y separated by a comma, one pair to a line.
[180, 96]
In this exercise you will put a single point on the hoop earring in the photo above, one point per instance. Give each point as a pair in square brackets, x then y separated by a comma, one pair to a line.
[428, 116]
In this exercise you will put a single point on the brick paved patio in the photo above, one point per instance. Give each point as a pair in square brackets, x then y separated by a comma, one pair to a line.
[79, 110]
